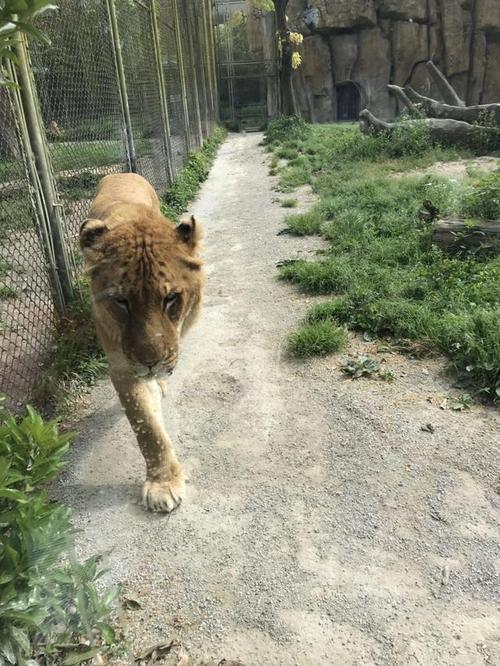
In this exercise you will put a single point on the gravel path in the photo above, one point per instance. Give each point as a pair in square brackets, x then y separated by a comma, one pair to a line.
[322, 525]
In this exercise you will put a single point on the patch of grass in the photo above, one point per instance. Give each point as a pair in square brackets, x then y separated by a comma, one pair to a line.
[75, 360]
[185, 187]
[317, 277]
[389, 278]
[85, 154]
[15, 214]
[318, 338]
[79, 186]
[295, 175]
[7, 292]
[289, 203]
[5, 267]
[287, 153]
[482, 198]
[51, 611]
[305, 224]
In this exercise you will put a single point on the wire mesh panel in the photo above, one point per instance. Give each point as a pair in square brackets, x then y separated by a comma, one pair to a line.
[137, 43]
[172, 75]
[26, 307]
[80, 103]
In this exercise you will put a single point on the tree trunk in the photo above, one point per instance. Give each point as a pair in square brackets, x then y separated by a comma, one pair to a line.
[445, 131]
[400, 93]
[456, 234]
[435, 109]
[444, 86]
[285, 72]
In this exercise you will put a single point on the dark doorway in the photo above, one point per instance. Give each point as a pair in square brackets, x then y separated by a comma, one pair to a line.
[348, 102]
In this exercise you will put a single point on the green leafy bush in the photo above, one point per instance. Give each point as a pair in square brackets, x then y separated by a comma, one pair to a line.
[47, 599]
[487, 132]
[410, 137]
[287, 128]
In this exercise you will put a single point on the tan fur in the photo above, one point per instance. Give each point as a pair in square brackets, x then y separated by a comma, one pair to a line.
[146, 283]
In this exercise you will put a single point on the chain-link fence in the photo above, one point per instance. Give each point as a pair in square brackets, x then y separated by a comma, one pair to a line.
[125, 85]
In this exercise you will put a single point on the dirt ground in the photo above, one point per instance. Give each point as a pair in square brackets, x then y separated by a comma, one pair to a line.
[458, 169]
[322, 524]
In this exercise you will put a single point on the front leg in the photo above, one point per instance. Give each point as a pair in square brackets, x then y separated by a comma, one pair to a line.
[164, 486]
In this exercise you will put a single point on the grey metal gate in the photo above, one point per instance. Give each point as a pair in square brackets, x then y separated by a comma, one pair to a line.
[247, 64]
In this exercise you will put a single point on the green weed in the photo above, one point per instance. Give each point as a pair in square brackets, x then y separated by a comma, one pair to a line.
[185, 187]
[75, 360]
[461, 402]
[365, 366]
[50, 608]
[319, 338]
[289, 203]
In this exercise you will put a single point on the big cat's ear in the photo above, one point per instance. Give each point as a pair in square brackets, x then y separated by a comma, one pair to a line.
[190, 232]
[90, 233]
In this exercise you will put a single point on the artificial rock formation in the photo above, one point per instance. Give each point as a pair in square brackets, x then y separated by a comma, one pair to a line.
[372, 43]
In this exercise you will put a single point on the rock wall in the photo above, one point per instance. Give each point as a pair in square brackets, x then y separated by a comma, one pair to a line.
[375, 42]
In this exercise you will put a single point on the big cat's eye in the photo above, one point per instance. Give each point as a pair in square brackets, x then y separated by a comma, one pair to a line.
[122, 303]
[170, 300]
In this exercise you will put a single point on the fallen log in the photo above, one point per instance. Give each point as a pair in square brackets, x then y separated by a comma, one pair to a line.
[435, 109]
[456, 234]
[400, 93]
[447, 91]
[441, 130]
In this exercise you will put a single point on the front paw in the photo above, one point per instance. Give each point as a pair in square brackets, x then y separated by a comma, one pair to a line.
[163, 496]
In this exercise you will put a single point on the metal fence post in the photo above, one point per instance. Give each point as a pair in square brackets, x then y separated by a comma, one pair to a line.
[189, 38]
[208, 59]
[198, 28]
[45, 175]
[211, 7]
[180, 62]
[122, 87]
[162, 89]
